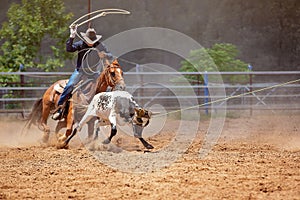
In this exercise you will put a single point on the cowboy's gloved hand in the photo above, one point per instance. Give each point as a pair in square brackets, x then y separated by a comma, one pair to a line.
[102, 54]
[73, 30]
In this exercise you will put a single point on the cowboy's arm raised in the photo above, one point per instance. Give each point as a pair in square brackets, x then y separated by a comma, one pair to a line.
[70, 47]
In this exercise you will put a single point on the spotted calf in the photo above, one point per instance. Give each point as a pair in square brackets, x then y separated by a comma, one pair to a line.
[116, 107]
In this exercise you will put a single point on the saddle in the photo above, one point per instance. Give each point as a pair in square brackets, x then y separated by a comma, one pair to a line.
[59, 87]
[57, 90]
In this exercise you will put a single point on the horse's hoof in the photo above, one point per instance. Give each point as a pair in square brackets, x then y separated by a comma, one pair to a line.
[107, 141]
[62, 145]
[62, 138]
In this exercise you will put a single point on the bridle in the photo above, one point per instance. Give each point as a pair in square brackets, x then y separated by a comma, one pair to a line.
[109, 77]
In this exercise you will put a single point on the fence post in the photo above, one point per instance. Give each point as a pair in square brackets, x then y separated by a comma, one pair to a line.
[250, 87]
[22, 84]
[141, 81]
[206, 93]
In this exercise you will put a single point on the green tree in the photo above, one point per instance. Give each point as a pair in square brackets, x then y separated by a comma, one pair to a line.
[30, 24]
[220, 57]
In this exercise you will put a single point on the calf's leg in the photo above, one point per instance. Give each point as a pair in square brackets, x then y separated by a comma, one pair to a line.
[146, 144]
[137, 132]
[91, 128]
[113, 124]
[96, 129]
[113, 132]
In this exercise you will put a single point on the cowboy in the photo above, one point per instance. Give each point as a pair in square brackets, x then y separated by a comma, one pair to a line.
[91, 40]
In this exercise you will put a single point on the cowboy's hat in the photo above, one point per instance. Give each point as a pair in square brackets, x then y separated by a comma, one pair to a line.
[90, 36]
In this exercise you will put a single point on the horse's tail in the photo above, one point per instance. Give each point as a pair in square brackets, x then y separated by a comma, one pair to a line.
[35, 115]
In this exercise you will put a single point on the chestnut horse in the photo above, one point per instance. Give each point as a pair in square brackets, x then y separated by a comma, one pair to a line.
[111, 76]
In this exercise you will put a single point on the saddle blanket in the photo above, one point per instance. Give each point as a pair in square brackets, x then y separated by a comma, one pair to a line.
[59, 87]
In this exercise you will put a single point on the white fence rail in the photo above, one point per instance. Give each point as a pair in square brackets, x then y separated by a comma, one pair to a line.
[16, 96]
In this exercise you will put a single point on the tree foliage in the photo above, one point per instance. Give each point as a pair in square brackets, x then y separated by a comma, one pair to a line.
[220, 57]
[30, 24]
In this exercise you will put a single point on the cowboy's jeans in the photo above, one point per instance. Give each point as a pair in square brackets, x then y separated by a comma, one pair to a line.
[74, 79]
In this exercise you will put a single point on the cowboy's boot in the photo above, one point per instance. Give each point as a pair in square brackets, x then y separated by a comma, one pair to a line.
[58, 113]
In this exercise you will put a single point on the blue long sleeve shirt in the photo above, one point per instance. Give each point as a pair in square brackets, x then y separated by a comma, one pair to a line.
[82, 48]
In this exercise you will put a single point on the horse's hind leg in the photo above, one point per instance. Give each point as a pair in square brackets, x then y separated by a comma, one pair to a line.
[45, 127]
[46, 133]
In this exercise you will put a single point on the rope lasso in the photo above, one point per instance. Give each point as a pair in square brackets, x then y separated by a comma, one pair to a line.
[87, 66]
[228, 98]
[102, 13]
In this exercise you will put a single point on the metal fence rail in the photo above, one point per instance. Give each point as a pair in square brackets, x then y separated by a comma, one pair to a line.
[16, 96]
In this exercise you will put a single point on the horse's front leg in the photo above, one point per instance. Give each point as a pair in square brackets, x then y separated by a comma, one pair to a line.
[60, 125]
[68, 123]
[83, 121]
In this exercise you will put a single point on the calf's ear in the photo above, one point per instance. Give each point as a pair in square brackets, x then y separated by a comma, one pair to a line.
[139, 112]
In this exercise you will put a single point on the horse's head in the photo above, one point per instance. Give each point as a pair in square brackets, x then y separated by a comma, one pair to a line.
[111, 76]
[114, 75]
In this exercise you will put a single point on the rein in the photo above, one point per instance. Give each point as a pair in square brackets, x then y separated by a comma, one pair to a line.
[105, 77]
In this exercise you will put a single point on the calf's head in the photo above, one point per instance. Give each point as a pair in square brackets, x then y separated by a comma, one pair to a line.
[140, 119]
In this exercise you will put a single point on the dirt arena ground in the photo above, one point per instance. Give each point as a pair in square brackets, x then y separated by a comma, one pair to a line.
[256, 157]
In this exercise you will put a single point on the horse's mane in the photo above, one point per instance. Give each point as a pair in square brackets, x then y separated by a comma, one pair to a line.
[104, 78]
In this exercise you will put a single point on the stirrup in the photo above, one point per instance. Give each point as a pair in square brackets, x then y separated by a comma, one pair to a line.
[57, 113]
